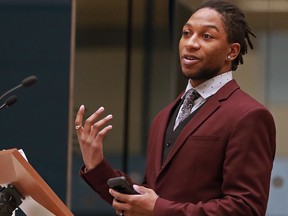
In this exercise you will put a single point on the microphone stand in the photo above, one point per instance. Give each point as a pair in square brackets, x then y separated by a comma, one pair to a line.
[10, 199]
[26, 82]
[11, 90]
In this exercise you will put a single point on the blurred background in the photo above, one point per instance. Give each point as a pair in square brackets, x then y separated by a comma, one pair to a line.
[122, 55]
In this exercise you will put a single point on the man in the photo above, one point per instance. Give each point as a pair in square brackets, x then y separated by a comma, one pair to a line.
[216, 161]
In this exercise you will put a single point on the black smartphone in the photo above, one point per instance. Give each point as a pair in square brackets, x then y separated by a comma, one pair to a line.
[121, 185]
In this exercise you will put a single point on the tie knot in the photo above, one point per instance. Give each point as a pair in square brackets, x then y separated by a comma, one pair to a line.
[191, 95]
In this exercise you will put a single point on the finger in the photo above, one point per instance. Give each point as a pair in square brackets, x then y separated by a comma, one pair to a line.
[100, 136]
[114, 193]
[96, 137]
[119, 205]
[120, 212]
[92, 119]
[100, 124]
[119, 197]
[79, 117]
[98, 132]
[140, 189]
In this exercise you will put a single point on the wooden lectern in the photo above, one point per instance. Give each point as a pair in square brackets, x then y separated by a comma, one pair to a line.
[39, 200]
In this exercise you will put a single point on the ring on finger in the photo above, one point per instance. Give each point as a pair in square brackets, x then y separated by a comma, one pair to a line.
[77, 127]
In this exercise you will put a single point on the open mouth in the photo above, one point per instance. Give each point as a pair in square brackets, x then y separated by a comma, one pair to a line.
[190, 59]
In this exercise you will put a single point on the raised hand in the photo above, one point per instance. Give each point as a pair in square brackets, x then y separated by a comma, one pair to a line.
[91, 135]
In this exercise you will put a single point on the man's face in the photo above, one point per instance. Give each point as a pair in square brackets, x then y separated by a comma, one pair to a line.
[203, 47]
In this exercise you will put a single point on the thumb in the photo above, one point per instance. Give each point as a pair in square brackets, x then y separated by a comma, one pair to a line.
[140, 189]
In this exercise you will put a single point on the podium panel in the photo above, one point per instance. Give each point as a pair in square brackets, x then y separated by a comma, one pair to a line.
[39, 197]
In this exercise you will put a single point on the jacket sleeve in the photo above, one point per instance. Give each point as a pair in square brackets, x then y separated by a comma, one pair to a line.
[97, 179]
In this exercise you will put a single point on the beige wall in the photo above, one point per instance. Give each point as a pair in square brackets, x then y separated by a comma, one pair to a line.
[100, 71]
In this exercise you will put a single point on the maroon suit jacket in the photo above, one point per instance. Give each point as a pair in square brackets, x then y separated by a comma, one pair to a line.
[219, 165]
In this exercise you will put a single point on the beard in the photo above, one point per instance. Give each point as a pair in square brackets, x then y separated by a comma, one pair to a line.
[203, 74]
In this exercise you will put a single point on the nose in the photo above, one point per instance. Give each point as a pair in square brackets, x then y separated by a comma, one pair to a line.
[192, 42]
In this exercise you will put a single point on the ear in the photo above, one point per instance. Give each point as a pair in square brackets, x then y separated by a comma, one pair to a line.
[233, 51]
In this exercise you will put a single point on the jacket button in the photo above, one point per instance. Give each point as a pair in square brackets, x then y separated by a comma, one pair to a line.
[168, 144]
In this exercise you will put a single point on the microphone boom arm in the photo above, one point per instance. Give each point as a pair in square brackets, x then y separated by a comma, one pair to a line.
[11, 90]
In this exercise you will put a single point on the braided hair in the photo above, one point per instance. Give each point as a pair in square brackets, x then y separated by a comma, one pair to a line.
[236, 27]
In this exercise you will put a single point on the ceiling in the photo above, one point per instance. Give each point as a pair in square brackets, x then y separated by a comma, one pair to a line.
[266, 6]
[103, 13]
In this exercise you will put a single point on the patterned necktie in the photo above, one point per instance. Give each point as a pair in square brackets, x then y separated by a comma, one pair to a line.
[185, 111]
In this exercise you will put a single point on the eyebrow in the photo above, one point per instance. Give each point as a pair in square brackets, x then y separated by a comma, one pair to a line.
[206, 26]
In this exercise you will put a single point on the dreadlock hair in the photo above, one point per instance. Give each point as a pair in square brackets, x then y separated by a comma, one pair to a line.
[236, 27]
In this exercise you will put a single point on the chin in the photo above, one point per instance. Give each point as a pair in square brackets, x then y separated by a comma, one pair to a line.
[203, 74]
[190, 75]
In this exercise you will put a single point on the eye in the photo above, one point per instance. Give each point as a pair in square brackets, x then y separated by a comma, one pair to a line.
[186, 32]
[207, 36]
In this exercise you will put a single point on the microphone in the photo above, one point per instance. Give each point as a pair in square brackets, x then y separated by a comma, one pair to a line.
[25, 83]
[10, 101]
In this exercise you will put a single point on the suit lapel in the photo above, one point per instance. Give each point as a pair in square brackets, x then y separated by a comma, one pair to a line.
[165, 117]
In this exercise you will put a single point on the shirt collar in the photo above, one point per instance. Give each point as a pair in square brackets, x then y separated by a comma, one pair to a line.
[211, 86]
